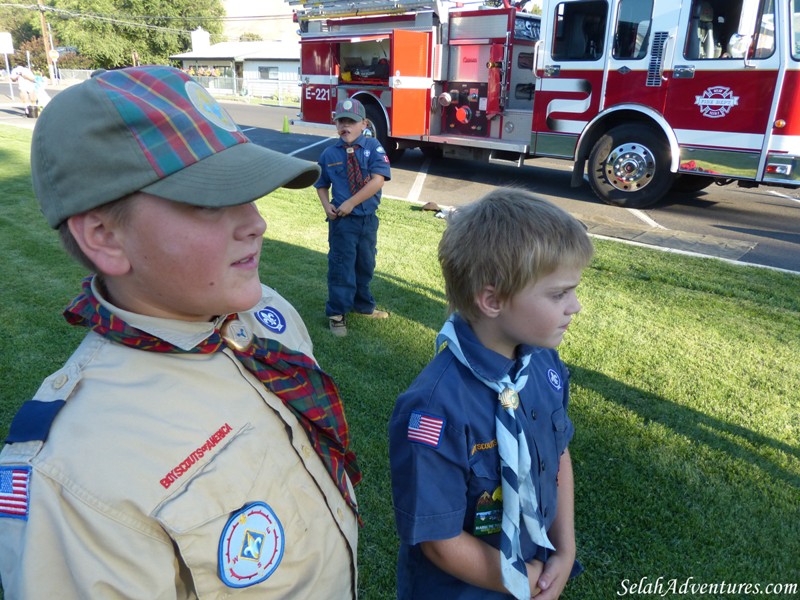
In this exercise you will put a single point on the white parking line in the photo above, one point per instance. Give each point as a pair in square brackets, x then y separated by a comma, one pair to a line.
[787, 197]
[695, 254]
[419, 181]
[323, 141]
[640, 215]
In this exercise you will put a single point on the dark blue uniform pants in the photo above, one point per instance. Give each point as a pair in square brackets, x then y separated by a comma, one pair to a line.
[351, 264]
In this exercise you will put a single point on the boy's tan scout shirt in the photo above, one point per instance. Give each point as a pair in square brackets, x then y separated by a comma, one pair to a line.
[176, 476]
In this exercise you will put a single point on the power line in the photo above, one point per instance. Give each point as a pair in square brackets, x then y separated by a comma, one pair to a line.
[155, 17]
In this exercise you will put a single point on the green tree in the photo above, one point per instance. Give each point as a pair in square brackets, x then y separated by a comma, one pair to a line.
[21, 21]
[248, 36]
[114, 33]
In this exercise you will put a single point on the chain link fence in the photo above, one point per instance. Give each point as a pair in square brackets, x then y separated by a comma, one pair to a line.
[280, 92]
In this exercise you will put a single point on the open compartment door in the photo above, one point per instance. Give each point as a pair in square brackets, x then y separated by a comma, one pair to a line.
[319, 75]
[411, 82]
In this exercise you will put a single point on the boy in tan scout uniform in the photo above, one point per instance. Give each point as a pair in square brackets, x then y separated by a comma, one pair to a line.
[191, 447]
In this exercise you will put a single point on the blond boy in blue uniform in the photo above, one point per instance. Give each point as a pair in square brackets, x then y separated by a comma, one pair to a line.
[481, 474]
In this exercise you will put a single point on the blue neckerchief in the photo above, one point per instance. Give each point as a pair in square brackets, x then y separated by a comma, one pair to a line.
[519, 493]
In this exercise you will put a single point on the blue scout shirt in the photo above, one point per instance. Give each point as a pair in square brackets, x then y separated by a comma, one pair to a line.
[333, 162]
[445, 463]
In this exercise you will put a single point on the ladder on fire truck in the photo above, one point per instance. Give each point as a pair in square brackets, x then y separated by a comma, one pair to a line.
[321, 9]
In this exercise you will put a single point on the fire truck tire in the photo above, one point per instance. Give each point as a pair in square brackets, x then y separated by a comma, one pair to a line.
[382, 133]
[629, 167]
[691, 184]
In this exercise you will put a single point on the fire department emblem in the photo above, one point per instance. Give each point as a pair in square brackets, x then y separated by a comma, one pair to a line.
[251, 546]
[716, 102]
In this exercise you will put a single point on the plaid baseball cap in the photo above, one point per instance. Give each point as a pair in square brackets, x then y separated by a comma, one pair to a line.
[350, 109]
[152, 129]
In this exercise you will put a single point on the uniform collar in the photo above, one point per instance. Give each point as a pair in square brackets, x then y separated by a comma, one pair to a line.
[487, 363]
[359, 141]
[183, 334]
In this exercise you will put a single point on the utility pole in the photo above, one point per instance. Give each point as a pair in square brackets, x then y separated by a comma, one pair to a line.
[46, 41]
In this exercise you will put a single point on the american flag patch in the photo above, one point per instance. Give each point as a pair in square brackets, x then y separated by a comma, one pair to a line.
[14, 483]
[425, 429]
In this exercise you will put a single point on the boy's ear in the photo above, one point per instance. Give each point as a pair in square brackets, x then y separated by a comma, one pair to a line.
[99, 240]
[488, 302]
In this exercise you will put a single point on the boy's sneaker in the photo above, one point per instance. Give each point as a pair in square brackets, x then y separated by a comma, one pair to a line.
[338, 325]
[376, 314]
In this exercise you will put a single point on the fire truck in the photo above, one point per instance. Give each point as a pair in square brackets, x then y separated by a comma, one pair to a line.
[643, 96]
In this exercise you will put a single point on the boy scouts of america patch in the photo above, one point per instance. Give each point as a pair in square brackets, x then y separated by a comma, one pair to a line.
[251, 546]
[207, 106]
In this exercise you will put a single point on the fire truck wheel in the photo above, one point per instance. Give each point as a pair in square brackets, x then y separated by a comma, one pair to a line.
[375, 115]
[691, 184]
[629, 167]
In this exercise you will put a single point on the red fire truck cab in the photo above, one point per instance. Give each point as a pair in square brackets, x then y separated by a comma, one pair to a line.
[643, 96]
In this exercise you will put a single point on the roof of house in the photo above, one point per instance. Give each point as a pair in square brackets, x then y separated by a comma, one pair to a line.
[240, 51]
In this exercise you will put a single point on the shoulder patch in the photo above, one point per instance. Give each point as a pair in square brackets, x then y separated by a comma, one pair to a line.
[425, 429]
[14, 485]
[554, 379]
[33, 421]
[272, 319]
[251, 546]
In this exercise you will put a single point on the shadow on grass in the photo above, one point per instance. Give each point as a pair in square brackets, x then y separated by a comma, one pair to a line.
[645, 508]
[692, 424]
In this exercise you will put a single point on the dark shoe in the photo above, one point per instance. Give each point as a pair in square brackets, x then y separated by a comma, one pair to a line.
[338, 325]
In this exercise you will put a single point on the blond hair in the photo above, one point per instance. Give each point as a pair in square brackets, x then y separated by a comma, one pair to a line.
[508, 239]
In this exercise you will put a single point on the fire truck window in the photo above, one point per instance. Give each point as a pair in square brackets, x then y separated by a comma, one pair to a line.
[764, 44]
[701, 42]
[631, 36]
[795, 25]
[580, 30]
[714, 30]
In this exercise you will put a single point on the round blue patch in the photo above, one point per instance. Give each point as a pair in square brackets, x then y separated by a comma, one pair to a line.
[251, 546]
[271, 319]
[554, 379]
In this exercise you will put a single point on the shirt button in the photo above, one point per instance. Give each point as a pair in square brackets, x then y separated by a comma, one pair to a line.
[542, 466]
[340, 514]
[533, 415]
[60, 381]
[306, 451]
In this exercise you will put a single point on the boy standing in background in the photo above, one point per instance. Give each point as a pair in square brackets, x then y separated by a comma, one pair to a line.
[356, 166]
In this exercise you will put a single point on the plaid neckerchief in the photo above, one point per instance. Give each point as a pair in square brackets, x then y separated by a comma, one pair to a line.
[355, 178]
[296, 379]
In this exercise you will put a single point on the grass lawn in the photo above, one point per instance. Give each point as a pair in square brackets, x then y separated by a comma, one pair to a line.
[685, 394]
